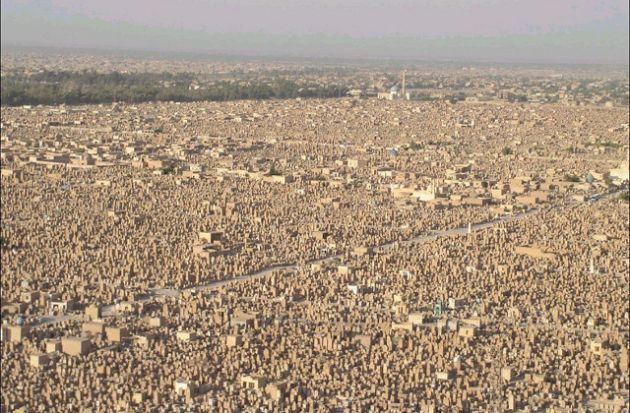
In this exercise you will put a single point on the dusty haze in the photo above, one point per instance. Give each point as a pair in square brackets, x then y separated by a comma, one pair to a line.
[509, 31]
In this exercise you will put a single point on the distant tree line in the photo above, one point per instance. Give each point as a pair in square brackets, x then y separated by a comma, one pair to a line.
[52, 88]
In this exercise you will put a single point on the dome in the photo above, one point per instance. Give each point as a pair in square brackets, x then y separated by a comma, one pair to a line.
[394, 89]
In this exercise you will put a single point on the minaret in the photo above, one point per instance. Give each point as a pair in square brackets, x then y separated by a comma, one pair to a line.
[404, 96]
[469, 228]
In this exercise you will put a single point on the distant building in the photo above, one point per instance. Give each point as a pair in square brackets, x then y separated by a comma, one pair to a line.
[395, 91]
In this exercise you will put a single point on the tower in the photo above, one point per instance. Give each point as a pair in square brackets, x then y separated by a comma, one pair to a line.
[404, 96]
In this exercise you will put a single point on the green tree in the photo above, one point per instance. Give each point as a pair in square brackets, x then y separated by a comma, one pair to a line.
[272, 170]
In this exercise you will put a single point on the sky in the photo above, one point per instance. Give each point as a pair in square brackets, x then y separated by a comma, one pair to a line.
[509, 31]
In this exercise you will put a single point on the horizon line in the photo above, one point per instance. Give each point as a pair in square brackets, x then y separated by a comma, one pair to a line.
[155, 52]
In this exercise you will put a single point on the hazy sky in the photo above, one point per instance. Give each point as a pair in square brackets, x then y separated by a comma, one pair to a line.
[546, 31]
